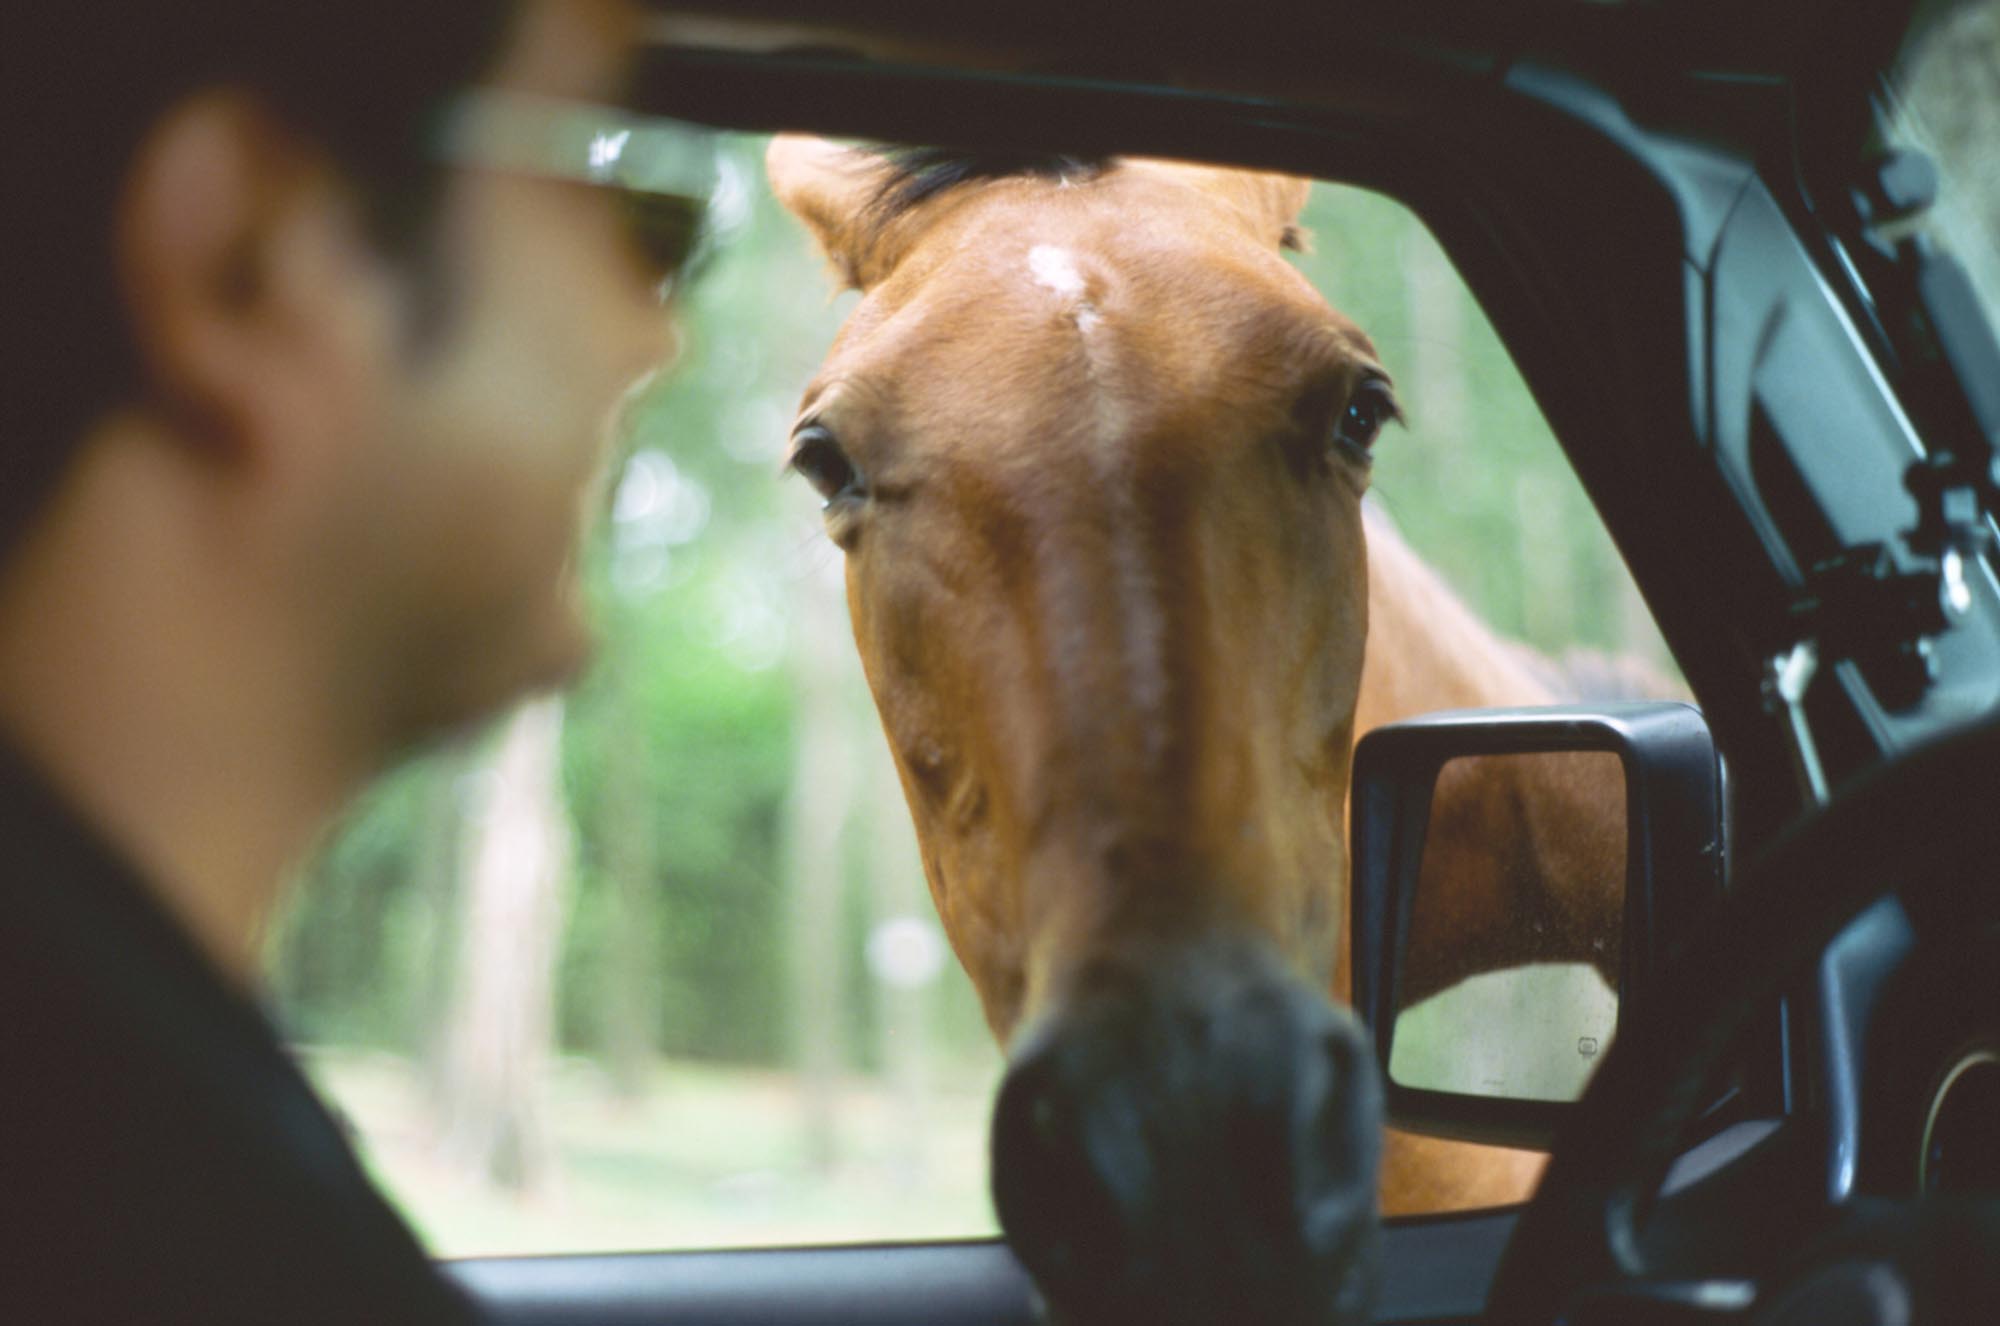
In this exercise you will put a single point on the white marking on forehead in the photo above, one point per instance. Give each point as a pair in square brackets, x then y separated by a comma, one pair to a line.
[1056, 269]
[1135, 625]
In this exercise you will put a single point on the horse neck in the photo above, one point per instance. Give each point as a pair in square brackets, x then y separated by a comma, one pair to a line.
[1426, 650]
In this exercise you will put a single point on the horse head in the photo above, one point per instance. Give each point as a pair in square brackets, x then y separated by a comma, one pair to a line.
[1095, 453]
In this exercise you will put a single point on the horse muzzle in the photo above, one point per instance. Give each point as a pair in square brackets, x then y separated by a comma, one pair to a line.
[1192, 1135]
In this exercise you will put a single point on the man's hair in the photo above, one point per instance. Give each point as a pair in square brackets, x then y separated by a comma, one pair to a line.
[361, 80]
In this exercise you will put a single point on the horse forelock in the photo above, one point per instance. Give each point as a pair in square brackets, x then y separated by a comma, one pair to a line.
[915, 175]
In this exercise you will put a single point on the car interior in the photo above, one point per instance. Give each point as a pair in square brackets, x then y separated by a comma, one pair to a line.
[1697, 231]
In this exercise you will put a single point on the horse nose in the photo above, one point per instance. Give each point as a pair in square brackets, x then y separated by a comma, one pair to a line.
[1193, 1141]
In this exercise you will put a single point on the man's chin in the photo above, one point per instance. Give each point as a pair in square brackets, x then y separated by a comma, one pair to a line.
[468, 703]
[561, 663]
[566, 671]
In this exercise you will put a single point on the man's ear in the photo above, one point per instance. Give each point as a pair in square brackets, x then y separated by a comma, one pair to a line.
[236, 253]
[833, 190]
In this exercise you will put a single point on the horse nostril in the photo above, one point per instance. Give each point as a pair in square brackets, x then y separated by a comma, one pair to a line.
[1180, 1160]
[1060, 1216]
[1336, 1148]
[1045, 1118]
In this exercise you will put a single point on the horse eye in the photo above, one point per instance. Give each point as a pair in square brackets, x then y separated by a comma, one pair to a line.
[817, 457]
[1371, 406]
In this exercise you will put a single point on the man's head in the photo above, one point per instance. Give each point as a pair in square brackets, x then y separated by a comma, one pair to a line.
[273, 326]
[93, 82]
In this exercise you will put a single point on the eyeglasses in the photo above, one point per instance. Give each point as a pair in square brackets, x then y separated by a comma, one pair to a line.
[662, 171]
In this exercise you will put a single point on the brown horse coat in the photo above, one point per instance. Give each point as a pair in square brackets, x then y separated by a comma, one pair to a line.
[1095, 453]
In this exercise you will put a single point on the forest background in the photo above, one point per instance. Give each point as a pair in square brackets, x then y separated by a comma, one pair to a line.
[653, 964]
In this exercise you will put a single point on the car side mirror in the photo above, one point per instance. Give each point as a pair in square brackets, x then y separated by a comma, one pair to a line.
[1520, 877]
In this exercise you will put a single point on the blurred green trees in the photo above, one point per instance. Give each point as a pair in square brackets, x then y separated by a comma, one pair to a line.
[679, 750]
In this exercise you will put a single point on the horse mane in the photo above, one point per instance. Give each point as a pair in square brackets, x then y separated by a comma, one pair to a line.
[912, 176]
[1518, 670]
[915, 175]
[1592, 674]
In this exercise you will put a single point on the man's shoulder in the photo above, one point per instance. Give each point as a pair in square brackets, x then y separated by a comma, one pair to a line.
[163, 1159]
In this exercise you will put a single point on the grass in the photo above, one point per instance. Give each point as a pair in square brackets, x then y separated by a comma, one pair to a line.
[705, 1157]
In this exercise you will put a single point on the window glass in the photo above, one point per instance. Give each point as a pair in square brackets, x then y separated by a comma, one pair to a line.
[1475, 481]
[654, 965]
[1946, 95]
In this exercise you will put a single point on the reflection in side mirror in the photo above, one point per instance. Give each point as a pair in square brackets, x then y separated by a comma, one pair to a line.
[1520, 876]
[1510, 969]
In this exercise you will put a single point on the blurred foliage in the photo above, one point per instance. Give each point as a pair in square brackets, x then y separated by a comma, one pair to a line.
[1475, 481]
[691, 580]
[348, 955]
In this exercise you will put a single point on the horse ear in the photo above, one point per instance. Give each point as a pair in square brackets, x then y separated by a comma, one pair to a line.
[1271, 203]
[1274, 203]
[832, 189]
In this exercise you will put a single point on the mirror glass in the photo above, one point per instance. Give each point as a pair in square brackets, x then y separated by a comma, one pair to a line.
[1509, 977]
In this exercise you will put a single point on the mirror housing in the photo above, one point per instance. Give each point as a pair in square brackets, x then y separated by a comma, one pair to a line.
[1675, 863]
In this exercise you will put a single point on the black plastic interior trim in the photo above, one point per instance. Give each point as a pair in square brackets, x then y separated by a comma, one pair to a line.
[942, 1284]
[1849, 984]
[1623, 42]
[1435, 1270]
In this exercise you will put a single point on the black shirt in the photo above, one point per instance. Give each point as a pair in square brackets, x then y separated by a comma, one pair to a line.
[162, 1159]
